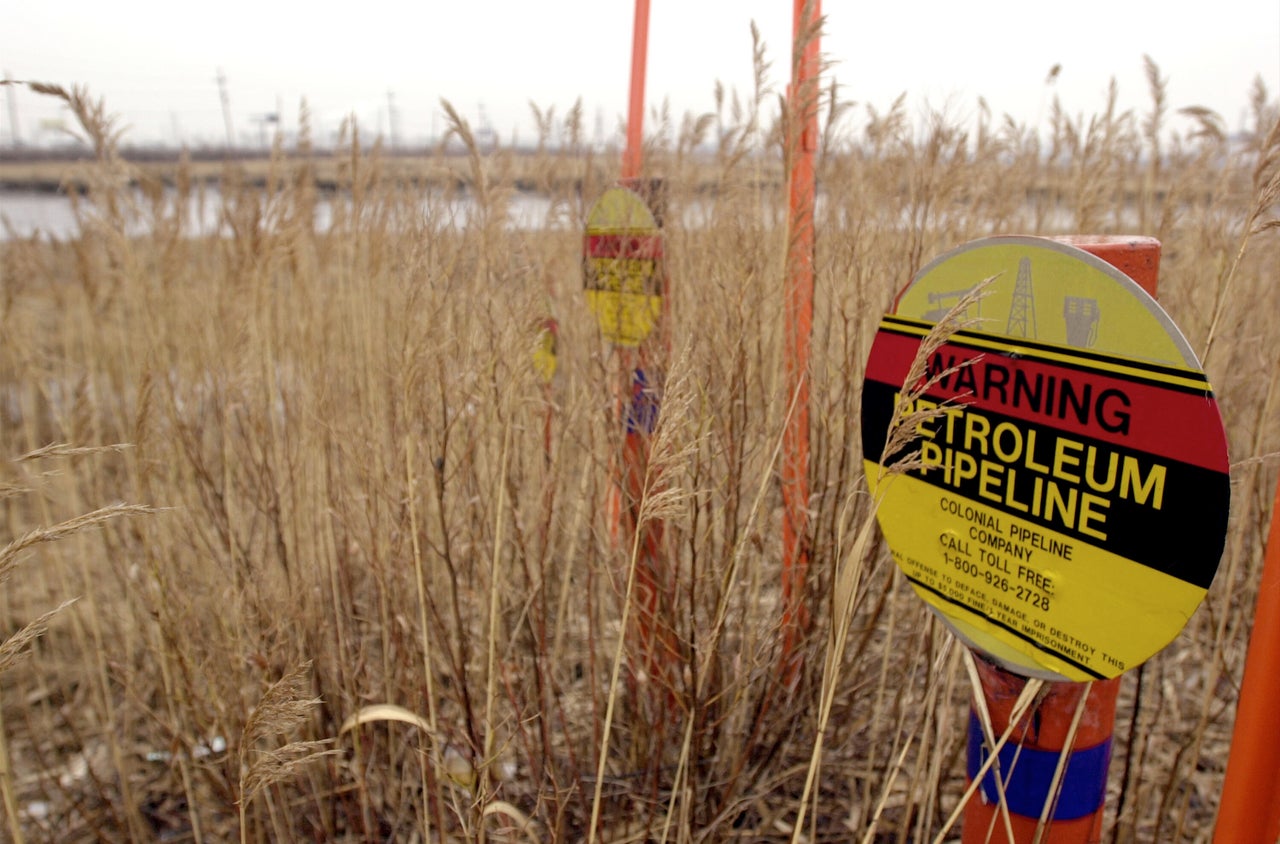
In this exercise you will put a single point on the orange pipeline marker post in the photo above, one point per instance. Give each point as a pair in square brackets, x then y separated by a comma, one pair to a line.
[626, 285]
[802, 143]
[1250, 810]
[633, 155]
[1059, 525]
[1030, 758]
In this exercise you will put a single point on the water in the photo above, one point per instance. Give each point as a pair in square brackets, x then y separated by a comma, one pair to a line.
[26, 213]
[23, 213]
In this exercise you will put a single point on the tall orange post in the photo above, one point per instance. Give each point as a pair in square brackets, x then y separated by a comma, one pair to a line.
[637, 396]
[1028, 763]
[1250, 810]
[633, 155]
[802, 143]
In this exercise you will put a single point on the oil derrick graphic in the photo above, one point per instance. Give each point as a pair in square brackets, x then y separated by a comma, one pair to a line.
[1081, 316]
[945, 300]
[1022, 313]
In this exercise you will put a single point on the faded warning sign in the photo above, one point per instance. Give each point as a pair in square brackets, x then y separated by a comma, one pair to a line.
[1071, 504]
[622, 266]
[545, 349]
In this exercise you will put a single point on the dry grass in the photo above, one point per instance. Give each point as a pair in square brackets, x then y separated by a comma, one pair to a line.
[336, 431]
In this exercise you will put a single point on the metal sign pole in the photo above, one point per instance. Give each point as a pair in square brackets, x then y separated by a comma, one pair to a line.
[1250, 810]
[802, 142]
[633, 156]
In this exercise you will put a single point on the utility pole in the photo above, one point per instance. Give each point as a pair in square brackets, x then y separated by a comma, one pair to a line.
[226, 109]
[15, 139]
[393, 120]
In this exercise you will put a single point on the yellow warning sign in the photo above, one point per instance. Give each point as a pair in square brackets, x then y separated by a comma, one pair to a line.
[544, 350]
[1071, 502]
[622, 267]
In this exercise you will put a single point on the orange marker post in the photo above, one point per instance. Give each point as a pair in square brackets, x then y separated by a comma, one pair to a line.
[637, 395]
[633, 155]
[802, 142]
[1029, 760]
[1250, 810]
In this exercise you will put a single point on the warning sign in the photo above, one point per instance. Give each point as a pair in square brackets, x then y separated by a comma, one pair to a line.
[544, 350]
[1072, 502]
[622, 267]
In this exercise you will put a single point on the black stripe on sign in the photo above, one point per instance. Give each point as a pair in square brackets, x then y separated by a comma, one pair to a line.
[1183, 539]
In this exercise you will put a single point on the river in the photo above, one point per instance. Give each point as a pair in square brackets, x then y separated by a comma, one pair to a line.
[24, 213]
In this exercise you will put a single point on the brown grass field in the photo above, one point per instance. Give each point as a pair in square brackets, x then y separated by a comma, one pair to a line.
[258, 482]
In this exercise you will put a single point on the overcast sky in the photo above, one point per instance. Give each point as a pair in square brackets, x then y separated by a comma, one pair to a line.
[157, 64]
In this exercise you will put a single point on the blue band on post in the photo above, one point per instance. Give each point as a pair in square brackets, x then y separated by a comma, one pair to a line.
[1084, 781]
[642, 412]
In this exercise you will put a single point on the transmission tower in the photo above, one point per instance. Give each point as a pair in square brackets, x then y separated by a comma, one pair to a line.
[393, 120]
[226, 108]
[1022, 313]
[15, 139]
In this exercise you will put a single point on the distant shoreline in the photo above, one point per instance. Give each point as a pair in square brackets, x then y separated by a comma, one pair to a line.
[67, 171]
[585, 172]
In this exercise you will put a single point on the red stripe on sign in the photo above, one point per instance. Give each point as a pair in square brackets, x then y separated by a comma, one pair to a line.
[1159, 419]
[645, 247]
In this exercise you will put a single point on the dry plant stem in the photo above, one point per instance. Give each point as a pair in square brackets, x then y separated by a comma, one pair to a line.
[882, 686]
[9, 554]
[930, 701]
[730, 577]
[7, 786]
[108, 703]
[932, 732]
[848, 577]
[15, 648]
[491, 697]
[955, 714]
[869, 835]
[1236, 556]
[681, 777]
[1191, 748]
[1131, 741]
[431, 784]
[281, 710]
[728, 581]
[1026, 699]
[1266, 194]
[1055, 784]
[614, 676]
[1001, 778]
[571, 553]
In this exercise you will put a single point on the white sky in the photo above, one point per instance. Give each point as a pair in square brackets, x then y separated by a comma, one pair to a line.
[157, 63]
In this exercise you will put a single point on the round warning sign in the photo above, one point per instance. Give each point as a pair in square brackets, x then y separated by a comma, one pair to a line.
[1069, 505]
[545, 347]
[622, 266]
